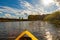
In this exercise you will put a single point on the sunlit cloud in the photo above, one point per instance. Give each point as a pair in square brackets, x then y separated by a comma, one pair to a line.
[39, 8]
[34, 9]
[47, 2]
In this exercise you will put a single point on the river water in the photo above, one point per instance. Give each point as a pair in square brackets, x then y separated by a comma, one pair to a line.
[42, 30]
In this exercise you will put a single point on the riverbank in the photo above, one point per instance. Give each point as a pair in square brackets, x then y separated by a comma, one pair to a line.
[11, 20]
[14, 20]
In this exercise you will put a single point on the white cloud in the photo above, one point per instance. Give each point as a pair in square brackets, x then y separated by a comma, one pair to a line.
[8, 11]
[36, 8]
[27, 8]
[57, 2]
[33, 9]
[26, 5]
[13, 10]
[0, 12]
[7, 15]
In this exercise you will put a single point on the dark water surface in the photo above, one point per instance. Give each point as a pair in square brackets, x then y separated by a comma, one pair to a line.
[42, 30]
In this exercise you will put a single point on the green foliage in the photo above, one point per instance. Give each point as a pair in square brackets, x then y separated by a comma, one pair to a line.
[53, 17]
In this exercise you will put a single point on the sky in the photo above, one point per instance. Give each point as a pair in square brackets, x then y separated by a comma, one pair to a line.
[23, 8]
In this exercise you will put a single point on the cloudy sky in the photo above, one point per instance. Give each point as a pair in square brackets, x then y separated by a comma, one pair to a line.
[23, 8]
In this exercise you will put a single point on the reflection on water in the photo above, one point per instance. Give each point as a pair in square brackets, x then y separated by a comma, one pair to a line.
[42, 30]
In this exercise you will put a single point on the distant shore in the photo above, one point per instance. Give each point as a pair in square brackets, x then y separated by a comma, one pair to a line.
[30, 18]
[9, 20]
[14, 20]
